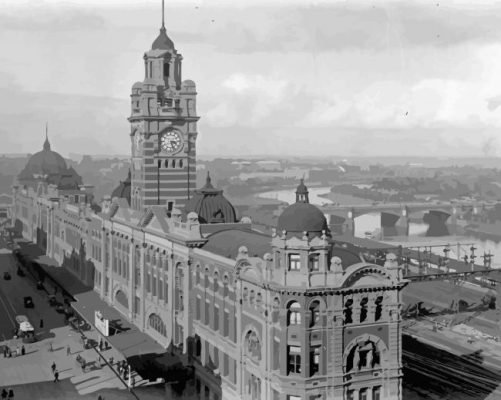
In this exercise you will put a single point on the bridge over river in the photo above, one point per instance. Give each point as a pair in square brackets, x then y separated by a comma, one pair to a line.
[442, 217]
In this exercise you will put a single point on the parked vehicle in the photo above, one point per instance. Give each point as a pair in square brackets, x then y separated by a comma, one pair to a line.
[40, 285]
[28, 302]
[6, 276]
[20, 272]
[25, 329]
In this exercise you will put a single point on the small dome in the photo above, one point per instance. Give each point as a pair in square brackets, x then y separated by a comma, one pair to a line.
[210, 205]
[137, 85]
[162, 42]
[123, 190]
[302, 216]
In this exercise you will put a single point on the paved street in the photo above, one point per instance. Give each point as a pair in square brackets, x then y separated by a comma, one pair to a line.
[31, 374]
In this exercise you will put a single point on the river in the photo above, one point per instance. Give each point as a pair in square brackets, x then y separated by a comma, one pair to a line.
[371, 223]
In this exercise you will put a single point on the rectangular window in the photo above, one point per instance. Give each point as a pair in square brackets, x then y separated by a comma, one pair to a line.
[314, 262]
[226, 322]
[350, 395]
[226, 362]
[206, 316]
[197, 308]
[363, 394]
[376, 393]
[315, 359]
[216, 318]
[294, 359]
[276, 354]
[160, 288]
[294, 262]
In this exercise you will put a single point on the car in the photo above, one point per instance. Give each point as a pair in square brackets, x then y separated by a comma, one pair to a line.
[6, 275]
[20, 272]
[28, 302]
[53, 300]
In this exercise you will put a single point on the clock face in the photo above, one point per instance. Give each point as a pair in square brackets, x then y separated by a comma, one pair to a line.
[171, 141]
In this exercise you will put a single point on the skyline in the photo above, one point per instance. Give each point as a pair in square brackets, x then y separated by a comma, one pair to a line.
[352, 80]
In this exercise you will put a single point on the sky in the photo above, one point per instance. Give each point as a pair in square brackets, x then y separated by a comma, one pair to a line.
[274, 77]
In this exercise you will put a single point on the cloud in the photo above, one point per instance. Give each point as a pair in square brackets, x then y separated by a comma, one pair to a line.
[50, 19]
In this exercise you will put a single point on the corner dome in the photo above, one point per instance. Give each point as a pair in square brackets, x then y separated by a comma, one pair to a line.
[210, 205]
[123, 190]
[302, 216]
[162, 42]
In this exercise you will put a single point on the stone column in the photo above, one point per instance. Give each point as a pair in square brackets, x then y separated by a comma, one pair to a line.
[104, 262]
[112, 257]
[142, 272]
[132, 277]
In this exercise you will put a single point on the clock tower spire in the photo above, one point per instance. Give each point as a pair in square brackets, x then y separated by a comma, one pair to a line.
[163, 129]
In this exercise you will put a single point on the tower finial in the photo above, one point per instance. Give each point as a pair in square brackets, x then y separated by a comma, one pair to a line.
[163, 15]
[46, 145]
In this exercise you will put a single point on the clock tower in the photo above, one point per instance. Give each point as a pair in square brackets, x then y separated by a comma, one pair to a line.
[163, 130]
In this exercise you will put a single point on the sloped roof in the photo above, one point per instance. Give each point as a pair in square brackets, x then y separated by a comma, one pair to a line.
[227, 242]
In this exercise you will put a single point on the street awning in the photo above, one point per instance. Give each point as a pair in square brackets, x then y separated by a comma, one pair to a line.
[129, 341]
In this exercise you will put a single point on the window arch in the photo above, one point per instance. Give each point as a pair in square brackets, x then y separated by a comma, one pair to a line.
[155, 322]
[363, 309]
[173, 164]
[379, 308]
[166, 164]
[314, 313]
[294, 313]
[180, 163]
[121, 298]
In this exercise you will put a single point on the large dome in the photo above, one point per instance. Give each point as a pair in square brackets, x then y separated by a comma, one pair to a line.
[210, 205]
[49, 166]
[302, 216]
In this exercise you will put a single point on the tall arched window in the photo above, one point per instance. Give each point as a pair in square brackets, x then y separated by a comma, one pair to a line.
[379, 308]
[155, 322]
[363, 309]
[294, 313]
[348, 313]
[314, 313]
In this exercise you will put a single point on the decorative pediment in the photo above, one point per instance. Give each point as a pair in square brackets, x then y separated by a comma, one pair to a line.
[364, 275]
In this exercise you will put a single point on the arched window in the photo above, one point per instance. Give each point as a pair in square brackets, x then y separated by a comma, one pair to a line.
[197, 275]
[252, 297]
[166, 164]
[157, 324]
[206, 278]
[245, 294]
[348, 313]
[363, 309]
[216, 283]
[294, 314]
[173, 163]
[379, 308]
[314, 313]
[252, 346]
[276, 310]
[180, 163]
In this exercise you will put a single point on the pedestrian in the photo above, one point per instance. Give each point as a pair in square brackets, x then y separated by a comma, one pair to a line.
[119, 369]
[4, 351]
[11, 393]
[4, 393]
[132, 381]
[18, 352]
[100, 397]
[53, 366]
[68, 350]
[101, 345]
[23, 350]
[41, 323]
[106, 345]
[56, 376]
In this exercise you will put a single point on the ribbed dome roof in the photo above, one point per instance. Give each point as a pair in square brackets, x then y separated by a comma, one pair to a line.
[302, 217]
[123, 190]
[51, 167]
[210, 205]
[162, 42]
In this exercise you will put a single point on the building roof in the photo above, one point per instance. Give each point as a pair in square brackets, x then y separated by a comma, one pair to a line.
[210, 205]
[123, 190]
[162, 42]
[226, 243]
[302, 216]
[49, 166]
